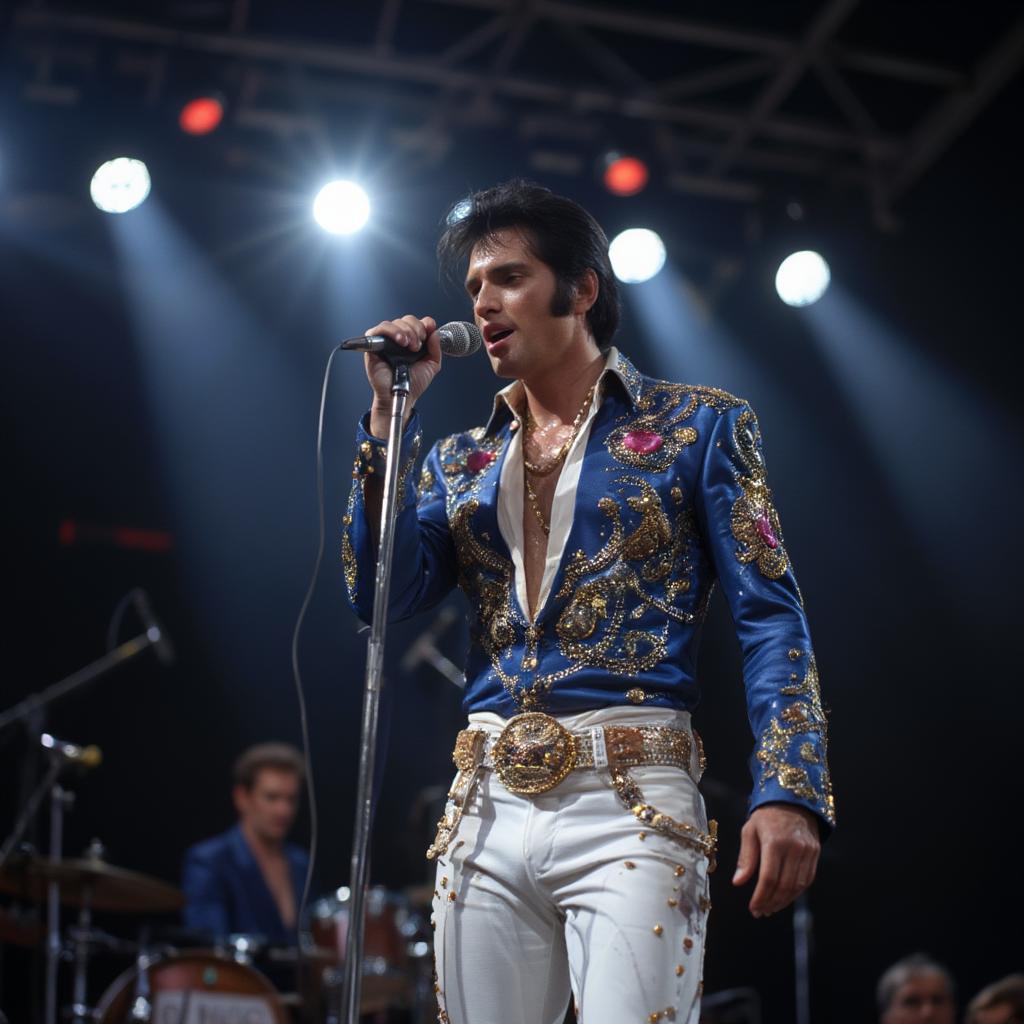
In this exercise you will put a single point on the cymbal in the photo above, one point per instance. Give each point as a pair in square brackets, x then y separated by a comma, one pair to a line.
[103, 886]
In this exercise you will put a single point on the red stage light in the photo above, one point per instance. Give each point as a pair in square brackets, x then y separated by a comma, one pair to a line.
[130, 538]
[625, 175]
[201, 116]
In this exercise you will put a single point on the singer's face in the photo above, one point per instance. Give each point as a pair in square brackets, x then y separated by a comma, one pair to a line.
[269, 806]
[513, 292]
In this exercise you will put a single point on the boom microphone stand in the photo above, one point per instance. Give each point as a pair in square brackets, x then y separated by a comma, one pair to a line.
[154, 636]
[371, 697]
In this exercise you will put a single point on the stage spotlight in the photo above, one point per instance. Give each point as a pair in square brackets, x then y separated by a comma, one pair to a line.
[637, 255]
[120, 185]
[625, 175]
[802, 278]
[201, 115]
[341, 207]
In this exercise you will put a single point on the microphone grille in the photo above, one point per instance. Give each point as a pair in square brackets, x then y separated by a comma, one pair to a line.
[459, 338]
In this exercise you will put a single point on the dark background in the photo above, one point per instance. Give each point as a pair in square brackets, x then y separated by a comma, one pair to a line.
[165, 373]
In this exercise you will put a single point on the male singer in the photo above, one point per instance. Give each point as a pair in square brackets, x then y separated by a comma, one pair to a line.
[587, 521]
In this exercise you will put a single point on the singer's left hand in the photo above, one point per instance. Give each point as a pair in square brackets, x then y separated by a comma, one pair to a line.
[780, 842]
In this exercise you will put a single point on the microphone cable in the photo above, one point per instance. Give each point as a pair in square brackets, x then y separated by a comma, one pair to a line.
[314, 828]
[465, 344]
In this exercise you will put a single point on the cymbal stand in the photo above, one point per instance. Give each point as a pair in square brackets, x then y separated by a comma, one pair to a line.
[83, 938]
[80, 1012]
[371, 699]
[60, 800]
[142, 1008]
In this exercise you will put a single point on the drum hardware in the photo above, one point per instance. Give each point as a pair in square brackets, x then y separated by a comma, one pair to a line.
[88, 884]
[60, 800]
[189, 987]
[242, 947]
[89, 892]
[80, 1013]
[96, 940]
[394, 954]
[142, 1008]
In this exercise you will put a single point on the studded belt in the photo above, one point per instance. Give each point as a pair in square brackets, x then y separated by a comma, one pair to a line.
[535, 752]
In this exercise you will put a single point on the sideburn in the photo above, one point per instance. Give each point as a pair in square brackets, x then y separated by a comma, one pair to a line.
[564, 297]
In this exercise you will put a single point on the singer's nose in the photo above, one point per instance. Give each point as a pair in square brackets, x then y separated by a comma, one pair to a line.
[487, 301]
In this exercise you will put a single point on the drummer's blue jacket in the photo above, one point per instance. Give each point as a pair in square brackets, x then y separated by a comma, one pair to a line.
[672, 496]
[225, 893]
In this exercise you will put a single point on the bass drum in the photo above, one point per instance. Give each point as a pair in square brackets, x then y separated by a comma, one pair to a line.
[193, 988]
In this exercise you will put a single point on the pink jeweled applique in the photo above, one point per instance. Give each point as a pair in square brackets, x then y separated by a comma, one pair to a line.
[643, 442]
[479, 460]
[764, 530]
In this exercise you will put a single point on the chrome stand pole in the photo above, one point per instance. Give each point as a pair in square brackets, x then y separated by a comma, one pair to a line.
[60, 799]
[371, 703]
[802, 958]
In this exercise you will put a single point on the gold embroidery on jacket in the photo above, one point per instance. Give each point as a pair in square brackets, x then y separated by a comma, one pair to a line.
[804, 716]
[754, 521]
[348, 555]
[653, 440]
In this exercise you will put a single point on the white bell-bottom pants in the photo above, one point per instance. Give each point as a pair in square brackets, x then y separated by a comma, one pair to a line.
[537, 896]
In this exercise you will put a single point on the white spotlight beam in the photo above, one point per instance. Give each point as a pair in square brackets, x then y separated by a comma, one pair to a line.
[342, 208]
[637, 254]
[802, 278]
[120, 185]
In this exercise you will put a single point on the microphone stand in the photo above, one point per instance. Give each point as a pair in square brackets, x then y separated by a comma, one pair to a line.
[32, 704]
[802, 924]
[120, 654]
[371, 699]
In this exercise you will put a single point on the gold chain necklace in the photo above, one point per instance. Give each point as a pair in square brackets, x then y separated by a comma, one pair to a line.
[556, 461]
[531, 494]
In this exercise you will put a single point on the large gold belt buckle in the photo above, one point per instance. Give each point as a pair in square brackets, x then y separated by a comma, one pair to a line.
[534, 753]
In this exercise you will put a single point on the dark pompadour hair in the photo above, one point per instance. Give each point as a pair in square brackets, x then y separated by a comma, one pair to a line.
[559, 232]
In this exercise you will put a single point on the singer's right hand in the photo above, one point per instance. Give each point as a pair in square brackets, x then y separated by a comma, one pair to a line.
[413, 332]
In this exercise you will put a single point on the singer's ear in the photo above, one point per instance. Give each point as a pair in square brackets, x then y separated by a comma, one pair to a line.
[586, 291]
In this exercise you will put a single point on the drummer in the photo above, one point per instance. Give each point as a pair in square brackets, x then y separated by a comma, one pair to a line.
[249, 879]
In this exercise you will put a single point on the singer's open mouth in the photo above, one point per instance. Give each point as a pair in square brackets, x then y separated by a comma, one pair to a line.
[498, 336]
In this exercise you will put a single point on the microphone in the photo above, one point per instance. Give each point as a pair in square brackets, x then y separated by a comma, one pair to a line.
[154, 630]
[72, 753]
[457, 339]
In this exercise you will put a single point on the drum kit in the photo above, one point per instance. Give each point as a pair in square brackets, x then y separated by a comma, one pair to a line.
[175, 976]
